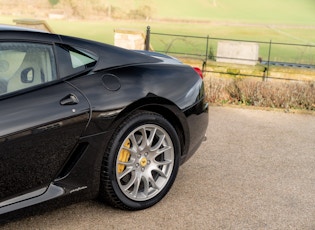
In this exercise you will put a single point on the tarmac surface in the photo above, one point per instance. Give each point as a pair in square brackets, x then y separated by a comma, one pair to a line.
[255, 171]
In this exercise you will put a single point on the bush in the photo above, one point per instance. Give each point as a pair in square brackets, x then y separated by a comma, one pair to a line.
[274, 94]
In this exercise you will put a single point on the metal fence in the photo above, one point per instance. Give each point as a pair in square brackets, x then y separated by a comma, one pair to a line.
[204, 48]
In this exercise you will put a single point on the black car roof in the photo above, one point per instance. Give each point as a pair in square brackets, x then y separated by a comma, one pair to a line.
[109, 56]
[17, 28]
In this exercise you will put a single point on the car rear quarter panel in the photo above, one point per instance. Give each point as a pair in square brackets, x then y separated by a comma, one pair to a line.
[178, 84]
[175, 90]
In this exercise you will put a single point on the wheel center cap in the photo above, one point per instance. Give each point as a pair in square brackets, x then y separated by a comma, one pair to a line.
[143, 161]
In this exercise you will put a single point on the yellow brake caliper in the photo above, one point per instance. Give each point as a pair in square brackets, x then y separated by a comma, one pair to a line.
[123, 156]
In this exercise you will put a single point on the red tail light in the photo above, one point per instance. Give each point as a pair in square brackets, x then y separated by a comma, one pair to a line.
[198, 71]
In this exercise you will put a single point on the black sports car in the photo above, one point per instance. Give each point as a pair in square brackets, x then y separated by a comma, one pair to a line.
[81, 119]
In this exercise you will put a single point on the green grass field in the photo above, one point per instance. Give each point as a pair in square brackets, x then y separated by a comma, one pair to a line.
[263, 11]
[104, 31]
[287, 21]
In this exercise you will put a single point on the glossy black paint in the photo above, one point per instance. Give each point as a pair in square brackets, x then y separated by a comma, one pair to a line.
[53, 136]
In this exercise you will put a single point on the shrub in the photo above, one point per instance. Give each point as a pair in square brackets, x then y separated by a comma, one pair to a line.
[216, 89]
[274, 94]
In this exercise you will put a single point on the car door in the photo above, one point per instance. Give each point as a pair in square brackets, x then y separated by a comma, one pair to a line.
[41, 118]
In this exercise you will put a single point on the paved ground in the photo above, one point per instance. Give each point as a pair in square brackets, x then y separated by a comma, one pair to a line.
[256, 171]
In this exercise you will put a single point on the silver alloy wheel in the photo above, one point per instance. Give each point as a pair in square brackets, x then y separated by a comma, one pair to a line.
[145, 162]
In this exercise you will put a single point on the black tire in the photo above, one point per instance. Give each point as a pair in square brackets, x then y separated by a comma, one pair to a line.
[141, 162]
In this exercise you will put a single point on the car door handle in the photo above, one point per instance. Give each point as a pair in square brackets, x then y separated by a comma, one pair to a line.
[70, 99]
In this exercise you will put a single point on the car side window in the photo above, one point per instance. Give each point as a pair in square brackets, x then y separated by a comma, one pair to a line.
[24, 65]
[74, 60]
[80, 59]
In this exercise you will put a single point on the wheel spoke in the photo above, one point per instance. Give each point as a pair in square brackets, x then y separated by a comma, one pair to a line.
[151, 137]
[160, 172]
[149, 183]
[154, 185]
[132, 150]
[136, 186]
[146, 186]
[130, 183]
[163, 163]
[158, 144]
[164, 149]
[144, 139]
[134, 143]
[125, 172]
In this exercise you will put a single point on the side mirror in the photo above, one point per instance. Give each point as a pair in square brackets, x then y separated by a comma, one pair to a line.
[27, 75]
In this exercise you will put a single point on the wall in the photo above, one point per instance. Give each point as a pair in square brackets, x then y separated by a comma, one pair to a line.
[129, 39]
[237, 52]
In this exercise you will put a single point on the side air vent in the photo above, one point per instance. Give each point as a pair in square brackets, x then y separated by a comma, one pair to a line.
[76, 155]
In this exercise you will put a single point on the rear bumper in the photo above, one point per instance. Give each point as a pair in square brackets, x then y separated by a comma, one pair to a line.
[197, 118]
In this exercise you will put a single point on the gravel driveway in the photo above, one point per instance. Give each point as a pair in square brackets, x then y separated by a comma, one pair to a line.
[256, 171]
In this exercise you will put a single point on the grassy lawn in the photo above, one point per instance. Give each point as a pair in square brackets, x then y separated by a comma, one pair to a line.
[104, 30]
[264, 11]
[281, 21]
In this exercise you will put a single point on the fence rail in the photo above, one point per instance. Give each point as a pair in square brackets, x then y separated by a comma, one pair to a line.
[205, 48]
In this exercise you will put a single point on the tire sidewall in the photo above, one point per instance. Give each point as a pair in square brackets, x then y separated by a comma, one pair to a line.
[136, 121]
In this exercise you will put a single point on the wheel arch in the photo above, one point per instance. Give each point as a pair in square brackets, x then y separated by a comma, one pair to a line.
[165, 108]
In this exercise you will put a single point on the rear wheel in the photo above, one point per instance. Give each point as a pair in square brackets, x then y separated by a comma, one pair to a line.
[141, 163]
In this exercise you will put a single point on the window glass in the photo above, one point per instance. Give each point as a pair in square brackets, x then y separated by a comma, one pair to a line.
[24, 65]
[73, 60]
[79, 59]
